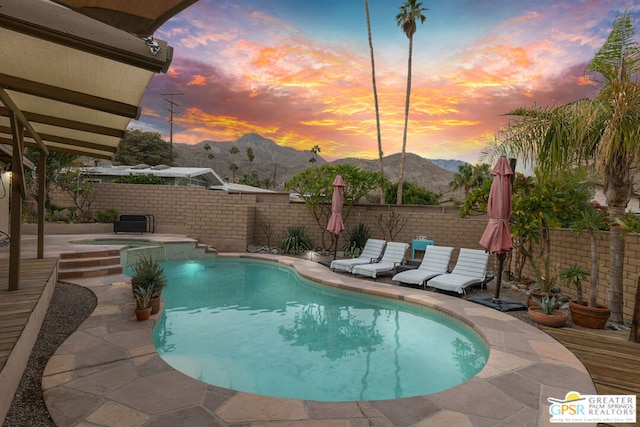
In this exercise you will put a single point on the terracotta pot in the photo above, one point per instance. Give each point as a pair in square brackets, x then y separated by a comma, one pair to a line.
[538, 294]
[143, 313]
[589, 317]
[556, 320]
[154, 303]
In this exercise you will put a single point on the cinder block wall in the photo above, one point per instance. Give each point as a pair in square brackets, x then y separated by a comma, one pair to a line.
[230, 222]
[223, 220]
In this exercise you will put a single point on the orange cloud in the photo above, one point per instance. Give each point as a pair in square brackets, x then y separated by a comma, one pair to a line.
[197, 80]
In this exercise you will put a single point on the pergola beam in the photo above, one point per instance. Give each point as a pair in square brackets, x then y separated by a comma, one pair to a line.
[66, 141]
[8, 102]
[67, 124]
[103, 152]
[73, 97]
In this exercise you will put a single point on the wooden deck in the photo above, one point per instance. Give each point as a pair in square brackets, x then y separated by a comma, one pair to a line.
[21, 314]
[611, 359]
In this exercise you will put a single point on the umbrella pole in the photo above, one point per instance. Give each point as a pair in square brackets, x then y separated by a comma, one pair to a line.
[501, 257]
[335, 251]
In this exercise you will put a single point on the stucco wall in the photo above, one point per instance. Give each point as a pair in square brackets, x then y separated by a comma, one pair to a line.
[230, 222]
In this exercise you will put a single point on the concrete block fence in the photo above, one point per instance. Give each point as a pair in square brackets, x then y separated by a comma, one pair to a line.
[231, 222]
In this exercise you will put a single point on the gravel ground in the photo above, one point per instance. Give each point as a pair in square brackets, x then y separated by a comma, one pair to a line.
[71, 305]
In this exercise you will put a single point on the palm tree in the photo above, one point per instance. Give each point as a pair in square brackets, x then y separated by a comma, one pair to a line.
[250, 157]
[463, 178]
[233, 166]
[603, 132]
[410, 12]
[315, 150]
[469, 177]
[210, 155]
[375, 99]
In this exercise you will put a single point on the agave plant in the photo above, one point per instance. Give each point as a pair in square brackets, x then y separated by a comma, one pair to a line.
[547, 304]
[143, 297]
[356, 239]
[148, 274]
[296, 241]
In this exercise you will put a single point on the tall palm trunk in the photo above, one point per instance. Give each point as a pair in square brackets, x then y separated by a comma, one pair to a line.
[595, 270]
[406, 121]
[375, 98]
[618, 188]
[616, 252]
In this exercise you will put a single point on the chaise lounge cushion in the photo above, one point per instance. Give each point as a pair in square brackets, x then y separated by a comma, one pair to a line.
[393, 256]
[470, 269]
[371, 253]
[435, 262]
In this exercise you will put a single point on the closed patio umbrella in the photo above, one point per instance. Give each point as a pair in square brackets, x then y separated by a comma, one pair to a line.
[497, 235]
[336, 226]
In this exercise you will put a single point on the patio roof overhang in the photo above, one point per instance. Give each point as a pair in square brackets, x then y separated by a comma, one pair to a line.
[77, 82]
[68, 83]
[138, 17]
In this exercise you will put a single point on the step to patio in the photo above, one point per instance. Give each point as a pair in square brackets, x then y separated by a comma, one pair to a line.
[90, 254]
[86, 262]
[207, 249]
[74, 265]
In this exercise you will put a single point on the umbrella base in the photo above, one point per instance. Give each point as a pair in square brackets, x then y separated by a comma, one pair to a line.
[501, 304]
[325, 263]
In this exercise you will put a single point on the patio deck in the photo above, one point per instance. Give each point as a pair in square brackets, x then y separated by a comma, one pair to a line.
[611, 359]
[95, 375]
[21, 315]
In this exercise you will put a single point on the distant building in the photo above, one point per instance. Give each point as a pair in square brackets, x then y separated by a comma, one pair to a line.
[192, 177]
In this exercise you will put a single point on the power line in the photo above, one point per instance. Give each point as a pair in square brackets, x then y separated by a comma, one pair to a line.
[171, 111]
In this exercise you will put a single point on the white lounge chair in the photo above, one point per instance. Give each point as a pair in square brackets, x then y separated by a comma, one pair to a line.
[470, 269]
[393, 256]
[371, 253]
[435, 262]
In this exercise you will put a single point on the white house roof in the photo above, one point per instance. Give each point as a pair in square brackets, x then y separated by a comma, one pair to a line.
[230, 187]
[215, 182]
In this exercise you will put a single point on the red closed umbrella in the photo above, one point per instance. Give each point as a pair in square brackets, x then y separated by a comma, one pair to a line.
[336, 226]
[497, 235]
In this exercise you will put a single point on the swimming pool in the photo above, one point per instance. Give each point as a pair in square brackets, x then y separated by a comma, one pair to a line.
[130, 243]
[257, 327]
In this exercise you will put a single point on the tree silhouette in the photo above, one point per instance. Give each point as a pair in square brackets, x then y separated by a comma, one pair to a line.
[410, 12]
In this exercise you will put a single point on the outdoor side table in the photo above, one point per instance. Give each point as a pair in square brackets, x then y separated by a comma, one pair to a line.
[419, 245]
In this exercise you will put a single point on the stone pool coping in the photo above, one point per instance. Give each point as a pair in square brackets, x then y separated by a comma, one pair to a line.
[108, 372]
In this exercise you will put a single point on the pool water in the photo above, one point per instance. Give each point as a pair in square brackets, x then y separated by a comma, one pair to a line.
[129, 243]
[258, 327]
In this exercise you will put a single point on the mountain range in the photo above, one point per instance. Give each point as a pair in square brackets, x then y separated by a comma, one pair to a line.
[282, 163]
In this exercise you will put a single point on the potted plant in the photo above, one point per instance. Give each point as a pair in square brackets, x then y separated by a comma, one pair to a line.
[545, 278]
[591, 315]
[148, 273]
[143, 297]
[546, 314]
[574, 275]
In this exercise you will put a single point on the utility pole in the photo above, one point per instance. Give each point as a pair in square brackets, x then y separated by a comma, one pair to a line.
[172, 111]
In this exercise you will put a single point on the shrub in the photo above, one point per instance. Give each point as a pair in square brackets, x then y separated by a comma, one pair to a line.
[411, 195]
[296, 241]
[148, 274]
[356, 239]
[140, 179]
[110, 215]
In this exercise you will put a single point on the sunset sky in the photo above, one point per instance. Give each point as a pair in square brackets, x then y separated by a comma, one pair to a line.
[299, 72]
